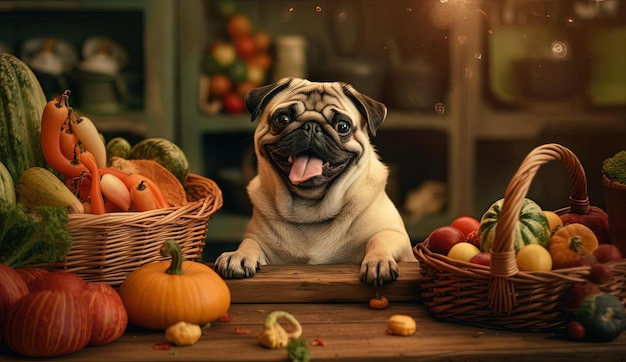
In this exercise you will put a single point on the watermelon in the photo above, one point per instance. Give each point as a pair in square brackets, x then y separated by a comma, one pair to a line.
[532, 227]
[21, 105]
[165, 152]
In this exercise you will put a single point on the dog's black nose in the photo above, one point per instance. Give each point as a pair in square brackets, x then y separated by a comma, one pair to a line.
[312, 127]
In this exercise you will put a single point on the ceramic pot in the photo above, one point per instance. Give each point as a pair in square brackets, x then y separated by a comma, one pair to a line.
[615, 199]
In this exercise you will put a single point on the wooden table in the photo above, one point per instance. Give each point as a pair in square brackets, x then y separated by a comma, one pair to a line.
[331, 305]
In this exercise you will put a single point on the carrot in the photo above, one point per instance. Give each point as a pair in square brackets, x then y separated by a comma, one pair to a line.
[68, 141]
[89, 137]
[55, 114]
[97, 202]
[131, 180]
[142, 197]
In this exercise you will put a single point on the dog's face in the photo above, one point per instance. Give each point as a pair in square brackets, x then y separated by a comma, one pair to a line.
[312, 136]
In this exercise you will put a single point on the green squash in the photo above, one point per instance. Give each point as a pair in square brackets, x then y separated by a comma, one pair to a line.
[165, 152]
[603, 317]
[532, 226]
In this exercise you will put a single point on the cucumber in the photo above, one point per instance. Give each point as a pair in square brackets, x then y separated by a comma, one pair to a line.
[165, 152]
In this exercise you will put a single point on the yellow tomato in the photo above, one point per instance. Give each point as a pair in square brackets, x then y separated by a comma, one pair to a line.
[534, 257]
[553, 219]
[463, 251]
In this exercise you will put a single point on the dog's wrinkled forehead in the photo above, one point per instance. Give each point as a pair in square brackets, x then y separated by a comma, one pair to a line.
[316, 96]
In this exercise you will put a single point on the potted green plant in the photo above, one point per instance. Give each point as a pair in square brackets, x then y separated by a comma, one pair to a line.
[614, 183]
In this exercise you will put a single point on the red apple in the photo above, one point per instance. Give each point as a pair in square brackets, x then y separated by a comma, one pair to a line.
[466, 224]
[245, 46]
[233, 103]
[575, 331]
[583, 260]
[482, 258]
[605, 253]
[577, 292]
[110, 318]
[59, 280]
[600, 273]
[443, 238]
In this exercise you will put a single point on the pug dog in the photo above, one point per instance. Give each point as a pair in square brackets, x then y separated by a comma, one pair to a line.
[319, 194]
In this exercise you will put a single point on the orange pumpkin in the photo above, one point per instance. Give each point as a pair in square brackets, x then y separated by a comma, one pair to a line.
[160, 294]
[569, 243]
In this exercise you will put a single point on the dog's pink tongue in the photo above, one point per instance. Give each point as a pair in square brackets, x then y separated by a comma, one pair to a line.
[304, 168]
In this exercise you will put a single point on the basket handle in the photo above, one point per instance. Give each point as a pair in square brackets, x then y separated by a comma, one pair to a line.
[501, 292]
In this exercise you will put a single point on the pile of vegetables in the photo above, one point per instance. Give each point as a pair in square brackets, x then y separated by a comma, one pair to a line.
[238, 61]
[544, 241]
[73, 147]
[47, 314]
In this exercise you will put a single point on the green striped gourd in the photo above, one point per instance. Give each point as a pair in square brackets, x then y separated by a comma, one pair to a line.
[21, 105]
[532, 226]
[7, 186]
[165, 152]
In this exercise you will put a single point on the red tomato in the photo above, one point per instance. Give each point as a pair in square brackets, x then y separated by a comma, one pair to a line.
[233, 103]
[575, 330]
[219, 85]
[245, 46]
[443, 238]
[466, 224]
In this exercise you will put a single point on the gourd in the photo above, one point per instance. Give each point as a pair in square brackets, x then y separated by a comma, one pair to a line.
[591, 216]
[37, 187]
[602, 316]
[569, 243]
[160, 294]
[165, 152]
[21, 105]
[117, 147]
[7, 186]
[532, 226]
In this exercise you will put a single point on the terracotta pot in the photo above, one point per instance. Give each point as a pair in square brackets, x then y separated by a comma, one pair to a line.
[615, 195]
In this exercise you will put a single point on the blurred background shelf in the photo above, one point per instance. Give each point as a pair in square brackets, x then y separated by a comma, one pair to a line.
[478, 115]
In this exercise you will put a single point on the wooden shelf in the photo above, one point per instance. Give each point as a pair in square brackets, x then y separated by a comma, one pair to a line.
[528, 124]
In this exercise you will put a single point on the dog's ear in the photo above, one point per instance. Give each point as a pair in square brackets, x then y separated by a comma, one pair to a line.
[374, 111]
[257, 98]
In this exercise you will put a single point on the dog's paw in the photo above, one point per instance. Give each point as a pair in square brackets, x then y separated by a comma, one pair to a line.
[378, 272]
[235, 265]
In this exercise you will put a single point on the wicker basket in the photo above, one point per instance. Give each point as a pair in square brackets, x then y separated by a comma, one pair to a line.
[502, 296]
[106, 248]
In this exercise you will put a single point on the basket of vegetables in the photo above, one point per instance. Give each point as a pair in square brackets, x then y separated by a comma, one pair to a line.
[530, 281]
[69, 201]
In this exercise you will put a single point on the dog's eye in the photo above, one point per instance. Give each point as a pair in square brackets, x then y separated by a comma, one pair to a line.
[343, 128]
[281, 120]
